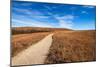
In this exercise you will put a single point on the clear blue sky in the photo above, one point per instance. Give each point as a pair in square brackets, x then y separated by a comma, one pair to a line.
[35, 14]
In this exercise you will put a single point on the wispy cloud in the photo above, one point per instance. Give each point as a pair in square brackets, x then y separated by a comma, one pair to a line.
[65, 24]
[66, 17]
[48, 7]
[51, 15]
[29, 19]
[66, 21]
[31, 23]
[84, 12]
[20, 10]
[30, 13]
[88, 6]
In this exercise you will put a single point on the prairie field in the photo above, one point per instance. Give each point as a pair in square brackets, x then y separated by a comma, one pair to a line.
[67, 46]
[52, 33]
[23, 37]
[73, 46]
[27, 30]
[22, 41]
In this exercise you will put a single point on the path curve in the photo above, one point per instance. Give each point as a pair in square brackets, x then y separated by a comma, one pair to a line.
[35, 54]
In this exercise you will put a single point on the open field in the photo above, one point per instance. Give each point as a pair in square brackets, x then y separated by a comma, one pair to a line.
[22, 41]
[72, 47]
[23, 37]
[24, 30]
[35, 54]
[67, 46]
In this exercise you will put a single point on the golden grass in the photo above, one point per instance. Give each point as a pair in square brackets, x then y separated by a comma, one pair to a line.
[22, 41]
[67, 46]
[72, 46]
[24, 30]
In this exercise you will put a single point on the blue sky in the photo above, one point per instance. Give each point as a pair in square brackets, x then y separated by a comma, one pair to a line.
[35, 14]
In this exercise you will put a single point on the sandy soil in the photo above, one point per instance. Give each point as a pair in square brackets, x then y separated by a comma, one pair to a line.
[35, 54]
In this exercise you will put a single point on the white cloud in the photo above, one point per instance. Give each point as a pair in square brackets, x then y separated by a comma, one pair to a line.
[25, 20]
[27, 11]
[66, 17]
[36, 14]
[33, 13]
[30, 23]
[51, 7]
[65, 24]
[47, 7]
[84, 12]
[88, 6]
[30, 13]
[65, 21]
[20, 22]
[20, 9]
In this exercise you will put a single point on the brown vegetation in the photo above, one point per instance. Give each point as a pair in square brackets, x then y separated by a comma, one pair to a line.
[24, 30]
[74, 46]
[26, 36]
[67, 46]
[22, 41]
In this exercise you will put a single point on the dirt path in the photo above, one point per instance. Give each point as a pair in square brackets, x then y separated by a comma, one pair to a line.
[35, 54]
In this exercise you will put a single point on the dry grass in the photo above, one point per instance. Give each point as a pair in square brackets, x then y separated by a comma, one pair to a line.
[23, 41]
[67, 46]
[24, 30]
[73, 46]
[25, 36]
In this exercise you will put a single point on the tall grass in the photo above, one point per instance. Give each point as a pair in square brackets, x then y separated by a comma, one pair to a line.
[24, 30]
[72, 47]
[23, 41]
